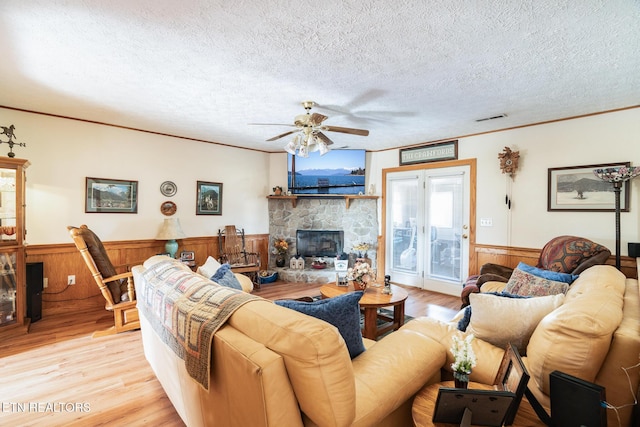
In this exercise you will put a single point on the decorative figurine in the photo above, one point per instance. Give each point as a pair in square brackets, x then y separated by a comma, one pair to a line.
[387, 285]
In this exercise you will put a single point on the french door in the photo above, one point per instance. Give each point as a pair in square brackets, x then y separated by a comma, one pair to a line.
[427, 227]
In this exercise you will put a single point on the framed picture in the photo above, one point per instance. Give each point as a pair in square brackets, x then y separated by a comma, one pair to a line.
[187, 256]
[209, 198]
[576, 188]
[513, 377]
[111, 196]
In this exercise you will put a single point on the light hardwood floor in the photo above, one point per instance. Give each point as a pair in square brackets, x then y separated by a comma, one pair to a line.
[57, 375]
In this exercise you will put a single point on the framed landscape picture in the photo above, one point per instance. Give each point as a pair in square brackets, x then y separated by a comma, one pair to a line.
[111, 196]
[576, 188]
[209, 198]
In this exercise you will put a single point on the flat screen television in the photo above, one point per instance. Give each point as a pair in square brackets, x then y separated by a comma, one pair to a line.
[337, 172]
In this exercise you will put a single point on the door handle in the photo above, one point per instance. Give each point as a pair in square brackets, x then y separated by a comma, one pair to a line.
[464, 236]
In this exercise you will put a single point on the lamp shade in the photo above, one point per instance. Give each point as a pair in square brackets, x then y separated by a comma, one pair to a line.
[617, 174]
[170, 230]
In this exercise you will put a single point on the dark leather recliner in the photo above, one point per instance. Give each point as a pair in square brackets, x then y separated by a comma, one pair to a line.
[563, 254]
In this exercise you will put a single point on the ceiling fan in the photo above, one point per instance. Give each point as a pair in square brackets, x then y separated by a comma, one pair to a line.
[310, 132]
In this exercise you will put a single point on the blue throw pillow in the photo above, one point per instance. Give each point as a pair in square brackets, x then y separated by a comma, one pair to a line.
[342, 311]
[225, 277]
[463, 323]
[548, 274]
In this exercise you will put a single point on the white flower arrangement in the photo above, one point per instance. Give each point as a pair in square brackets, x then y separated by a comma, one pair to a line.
[361, 272]
[463, 356]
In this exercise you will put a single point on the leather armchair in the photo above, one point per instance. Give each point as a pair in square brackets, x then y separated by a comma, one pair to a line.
[563, 254]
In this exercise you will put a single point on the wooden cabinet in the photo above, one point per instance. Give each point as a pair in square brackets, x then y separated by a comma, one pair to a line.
[12, 254]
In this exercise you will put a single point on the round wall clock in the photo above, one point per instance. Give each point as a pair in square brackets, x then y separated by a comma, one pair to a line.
[168, 208]
[168, 188]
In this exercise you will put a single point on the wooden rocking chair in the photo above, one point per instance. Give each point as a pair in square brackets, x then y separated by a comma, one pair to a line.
[232, 250]
[117, 289]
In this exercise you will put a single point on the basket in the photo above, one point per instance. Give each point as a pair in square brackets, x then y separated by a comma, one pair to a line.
[268, 279]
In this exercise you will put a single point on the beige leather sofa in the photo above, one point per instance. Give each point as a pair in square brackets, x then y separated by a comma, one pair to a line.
[272, 366]
[592, 335]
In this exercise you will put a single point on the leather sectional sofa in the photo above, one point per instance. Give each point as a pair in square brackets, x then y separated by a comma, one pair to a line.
[272, 366]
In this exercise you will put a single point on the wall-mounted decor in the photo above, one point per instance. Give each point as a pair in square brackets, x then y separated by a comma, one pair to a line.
[168, 188]
[429, 153]
[576, 188]
[111, 196]
[209, 198]
[168, 208]
[509, 161]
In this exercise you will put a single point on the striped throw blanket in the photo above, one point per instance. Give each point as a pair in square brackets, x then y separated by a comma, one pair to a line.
[185, 310]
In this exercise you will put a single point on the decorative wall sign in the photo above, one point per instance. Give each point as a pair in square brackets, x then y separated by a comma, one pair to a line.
[209, 198]
[111, 196]
[168, 189]
[429, 153]
[576, 188]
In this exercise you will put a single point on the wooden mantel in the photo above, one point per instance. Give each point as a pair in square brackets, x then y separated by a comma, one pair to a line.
[347, 197]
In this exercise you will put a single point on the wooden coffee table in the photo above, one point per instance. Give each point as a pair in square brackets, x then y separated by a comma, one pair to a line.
[371, 301]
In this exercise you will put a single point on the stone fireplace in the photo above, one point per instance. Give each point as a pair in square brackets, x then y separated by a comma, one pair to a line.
[319, 243]
[358, 223]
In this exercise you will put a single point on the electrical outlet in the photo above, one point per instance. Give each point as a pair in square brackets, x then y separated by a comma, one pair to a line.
[45, 282]
[71, 279]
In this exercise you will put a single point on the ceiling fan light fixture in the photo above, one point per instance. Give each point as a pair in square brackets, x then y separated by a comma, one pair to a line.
[303, 151]
[323, 148]
[290, 148]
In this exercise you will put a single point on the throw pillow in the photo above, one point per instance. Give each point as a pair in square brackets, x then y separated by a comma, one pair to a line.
[209, 268]
[342, 311]
[501, 321]
[463, 323]
[225, 277]
[523, 283]
[547, 274]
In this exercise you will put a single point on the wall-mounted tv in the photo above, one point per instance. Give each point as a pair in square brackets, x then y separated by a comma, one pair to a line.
[337, 172]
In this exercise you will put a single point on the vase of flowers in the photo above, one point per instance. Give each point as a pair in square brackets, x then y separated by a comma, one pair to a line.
[361, 249]
[464, 360]
[360, 274]
[280, 248]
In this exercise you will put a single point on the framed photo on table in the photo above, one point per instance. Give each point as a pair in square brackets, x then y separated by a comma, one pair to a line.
[209, 198]
[513, 377]
[576, 188]
[111, 196]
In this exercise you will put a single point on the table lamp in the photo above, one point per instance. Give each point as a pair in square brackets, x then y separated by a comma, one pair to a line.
[617, 176]
[170, 231]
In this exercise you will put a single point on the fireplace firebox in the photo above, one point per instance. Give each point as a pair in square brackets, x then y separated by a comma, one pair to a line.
[319, 243]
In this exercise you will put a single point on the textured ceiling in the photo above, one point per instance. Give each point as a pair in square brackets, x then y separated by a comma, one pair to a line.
[409, 71]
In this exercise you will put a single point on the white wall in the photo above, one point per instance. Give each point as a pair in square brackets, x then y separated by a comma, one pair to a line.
[604, 138]
[64, 152]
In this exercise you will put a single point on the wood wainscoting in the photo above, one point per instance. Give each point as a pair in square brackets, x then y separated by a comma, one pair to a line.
[511, 256]
[62, 260]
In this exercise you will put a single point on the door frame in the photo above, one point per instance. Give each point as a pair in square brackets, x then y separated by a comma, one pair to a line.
[471, 163]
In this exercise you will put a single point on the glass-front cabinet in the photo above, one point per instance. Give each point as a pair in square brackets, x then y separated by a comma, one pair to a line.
[12, 240]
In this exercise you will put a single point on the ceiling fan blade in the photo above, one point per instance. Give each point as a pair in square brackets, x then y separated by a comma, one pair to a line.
[361, 132]
[317, 118]
[270, 124]
[282, 135]
[324, 138]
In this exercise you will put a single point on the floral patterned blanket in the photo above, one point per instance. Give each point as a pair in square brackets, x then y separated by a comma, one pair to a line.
[185, 310]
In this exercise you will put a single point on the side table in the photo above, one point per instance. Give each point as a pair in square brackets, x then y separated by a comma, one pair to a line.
[425, 402]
